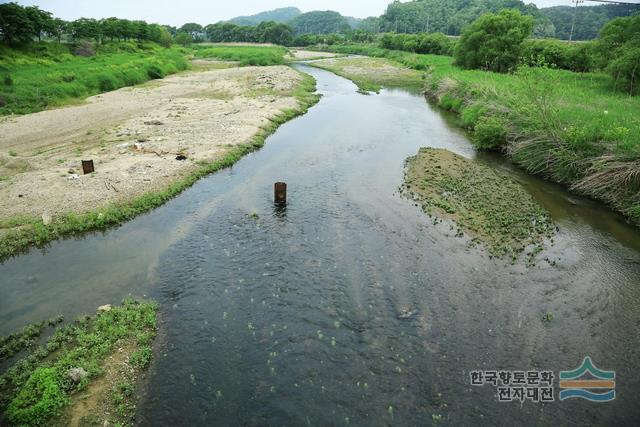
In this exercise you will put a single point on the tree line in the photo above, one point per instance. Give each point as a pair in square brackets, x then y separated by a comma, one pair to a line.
[20, 24]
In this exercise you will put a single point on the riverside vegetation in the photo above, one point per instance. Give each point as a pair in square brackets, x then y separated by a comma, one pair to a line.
[578, 129]
[86, 371]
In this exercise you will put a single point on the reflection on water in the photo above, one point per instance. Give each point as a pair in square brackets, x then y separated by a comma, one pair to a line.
[349, 307]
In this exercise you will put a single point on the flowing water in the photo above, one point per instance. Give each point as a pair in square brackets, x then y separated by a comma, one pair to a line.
[349, 307]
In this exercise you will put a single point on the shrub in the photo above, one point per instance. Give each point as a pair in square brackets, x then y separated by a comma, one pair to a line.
[490, 133]
[8, 81]
[626, 69]
[558, 54]
[107, 82]
[619, 47]
[183, 39]
[40, 399]
[155, 72]
[84, 48]
[493, 42]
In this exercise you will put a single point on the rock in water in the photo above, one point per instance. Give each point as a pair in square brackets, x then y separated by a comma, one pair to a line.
[77, 374]
[103, 308]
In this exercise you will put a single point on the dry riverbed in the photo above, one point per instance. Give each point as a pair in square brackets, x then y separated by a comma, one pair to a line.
[140, 139]
[371, 74]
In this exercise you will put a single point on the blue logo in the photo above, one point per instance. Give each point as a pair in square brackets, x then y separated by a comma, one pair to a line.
[599, 386]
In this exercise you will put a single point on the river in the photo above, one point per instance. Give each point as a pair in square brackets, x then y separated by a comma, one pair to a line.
[349, 306]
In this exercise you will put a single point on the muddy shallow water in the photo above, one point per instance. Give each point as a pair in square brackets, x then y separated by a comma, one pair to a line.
[349, 307]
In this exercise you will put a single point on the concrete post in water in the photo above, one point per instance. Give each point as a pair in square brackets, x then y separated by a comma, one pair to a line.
[87, 166]
[280, 193]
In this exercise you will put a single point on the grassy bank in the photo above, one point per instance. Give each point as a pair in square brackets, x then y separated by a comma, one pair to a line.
[572, 128]
[245, 55]
[49, 74]
[19, 234]
[94, 361]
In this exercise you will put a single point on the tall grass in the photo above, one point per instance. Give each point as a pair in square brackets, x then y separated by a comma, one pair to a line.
[245, 55]
[49, 74]
[573, 128]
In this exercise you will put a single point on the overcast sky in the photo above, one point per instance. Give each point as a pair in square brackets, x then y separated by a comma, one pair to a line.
[177, 12]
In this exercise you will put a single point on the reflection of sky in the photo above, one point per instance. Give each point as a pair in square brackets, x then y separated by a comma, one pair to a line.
[207, 11]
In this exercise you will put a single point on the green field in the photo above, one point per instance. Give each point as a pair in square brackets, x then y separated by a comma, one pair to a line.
[245, 55]
[48, 74]
[573, 128]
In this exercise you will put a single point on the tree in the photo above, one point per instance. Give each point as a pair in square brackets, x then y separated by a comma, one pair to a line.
[85, 29]
[272, 32]
[160, 35]
[619, 48]
[15, 24]
[494, 42]
[183, 38]
[195, 30]
[41, 21]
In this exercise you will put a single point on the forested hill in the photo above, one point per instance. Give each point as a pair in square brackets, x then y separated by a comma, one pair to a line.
[451, 16]
[318, 22]
[589, 19]
[281, 15]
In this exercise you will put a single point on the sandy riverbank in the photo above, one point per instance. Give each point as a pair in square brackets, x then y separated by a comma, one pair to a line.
[134, 135]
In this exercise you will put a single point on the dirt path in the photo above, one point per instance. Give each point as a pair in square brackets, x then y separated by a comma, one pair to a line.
[133, 135]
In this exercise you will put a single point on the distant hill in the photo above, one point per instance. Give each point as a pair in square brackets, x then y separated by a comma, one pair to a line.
[589, 19]
[451, 16]
[283, 15]
[318, 22]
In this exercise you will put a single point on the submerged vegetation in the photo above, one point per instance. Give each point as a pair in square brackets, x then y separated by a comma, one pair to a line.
[43, 387]
[490, 206]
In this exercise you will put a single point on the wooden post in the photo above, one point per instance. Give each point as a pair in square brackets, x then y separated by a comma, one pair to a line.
[87, 166]
[280, 193]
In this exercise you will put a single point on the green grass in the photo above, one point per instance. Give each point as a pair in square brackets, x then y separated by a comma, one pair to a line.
[245, 55]
[48, 75]
[18, 234]
[573, 128]
[37, 388]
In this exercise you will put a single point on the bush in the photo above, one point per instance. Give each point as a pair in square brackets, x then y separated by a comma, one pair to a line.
[626, 69]
[490, 133]
[494, 42]
[107, 82]
[619, 47]
[40, 399]
[559, 54]
[8, 81]
[183, 39]
[155, 72]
